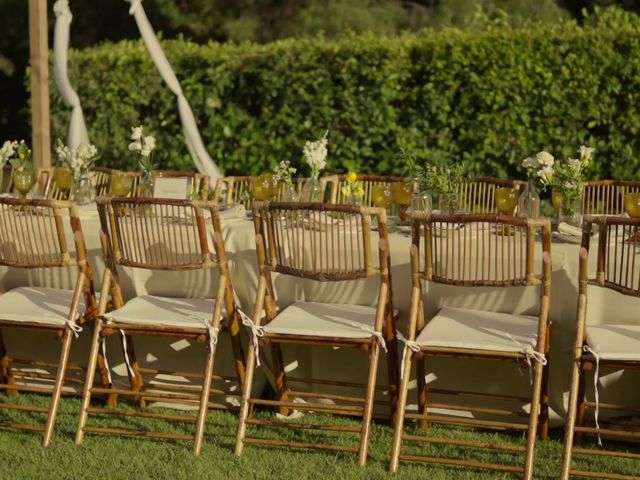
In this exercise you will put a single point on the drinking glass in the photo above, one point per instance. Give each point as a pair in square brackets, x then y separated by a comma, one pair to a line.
[402, 193]
[632, 204]
[23, 181]
[506, 201]
[121, 183]
[262, 187]
[382, 195]
[64, 179]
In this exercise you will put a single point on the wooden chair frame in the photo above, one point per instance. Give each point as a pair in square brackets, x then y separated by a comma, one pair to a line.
[270, 261]
[423, 225]
[48, 248]
[622, 280]
[6, 178]
[125, 248]
[606, 197]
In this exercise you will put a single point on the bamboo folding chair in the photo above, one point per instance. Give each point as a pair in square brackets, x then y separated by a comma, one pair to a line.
[325, 243]
[46, 183]
[478, 195]
[332, 186]
[32, 236]
[614, 346]
[102, 180]
[198, 187]
[170, 235]
[606, 197]
[472, 250]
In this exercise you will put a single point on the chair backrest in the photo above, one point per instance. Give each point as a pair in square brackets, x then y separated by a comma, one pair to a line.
[161, 234]
[234, 190]
[331, 186]
[618, 247]
[606, 197]
[102, 180]
[33, 234]
[478, 195]
[6, 180]
[319, 241]
[479, 249]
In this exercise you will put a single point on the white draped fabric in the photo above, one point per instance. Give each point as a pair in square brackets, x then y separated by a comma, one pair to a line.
[77, 129]
[204, 163]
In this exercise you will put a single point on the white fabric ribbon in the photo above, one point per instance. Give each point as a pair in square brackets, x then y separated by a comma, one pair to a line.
[127, 361]
[408, 345]
[204, 163]
[369, 329]
[256, 332]
[77, 129]
[529, 354]
[596, 376]
[75, 328]
[211, 330]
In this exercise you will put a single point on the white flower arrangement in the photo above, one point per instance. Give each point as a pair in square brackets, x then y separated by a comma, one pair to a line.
[540, 167]
[315, 154]
[7, 151]
[144, 145]
[80, 161]
[284, 172]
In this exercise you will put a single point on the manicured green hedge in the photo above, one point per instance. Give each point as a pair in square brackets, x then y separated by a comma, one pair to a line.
[491, 98]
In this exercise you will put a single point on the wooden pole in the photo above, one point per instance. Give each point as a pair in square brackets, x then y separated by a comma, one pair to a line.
[39, 61]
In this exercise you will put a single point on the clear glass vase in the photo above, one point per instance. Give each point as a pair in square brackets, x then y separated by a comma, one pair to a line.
[421, 201]
[146, 185]
[290, 194]
[529, 202]
[570, 211]
[311, 191]
[83, 191]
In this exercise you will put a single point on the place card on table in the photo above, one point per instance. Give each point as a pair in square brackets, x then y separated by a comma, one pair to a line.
[174, 188]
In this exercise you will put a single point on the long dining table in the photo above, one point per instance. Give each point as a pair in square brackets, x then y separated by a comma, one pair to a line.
[342, 365]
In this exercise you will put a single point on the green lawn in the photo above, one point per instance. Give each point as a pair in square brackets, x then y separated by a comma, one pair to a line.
[125, 457]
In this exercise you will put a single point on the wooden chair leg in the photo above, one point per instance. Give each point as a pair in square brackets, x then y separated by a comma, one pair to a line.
[204, 400]
[57, 388]
[280, 377]
[543, 420]
[238, 353]
[244, 406]
[393, 376]
[576, 395]
[533, 420]
[365, 433]
[5, 368]
[582, 397]
[398, 427]
[88, 384]
[135, 377]
[422, 391]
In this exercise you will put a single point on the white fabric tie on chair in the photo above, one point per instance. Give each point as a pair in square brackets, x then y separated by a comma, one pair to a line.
[213, 331]
[408, 345]
[75, 328]
[370, 330]
[256, 332]
[596, 376]
[530, 354]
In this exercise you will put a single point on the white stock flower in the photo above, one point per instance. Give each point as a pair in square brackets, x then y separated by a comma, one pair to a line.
[575, 164]
[136, 133]
[545, 159]
[149, 142]
[7, 151]
[530, 162]
[315, 153]
[135, 146]
[546, 173]
[585, 152]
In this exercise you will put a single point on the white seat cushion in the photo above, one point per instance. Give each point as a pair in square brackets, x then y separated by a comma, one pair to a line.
[43, 305]
[325, 320]
[615, 342]
[172, 312]
[479, 330]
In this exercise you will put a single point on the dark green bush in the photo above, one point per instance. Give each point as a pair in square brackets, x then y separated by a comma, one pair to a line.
[491, 98]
